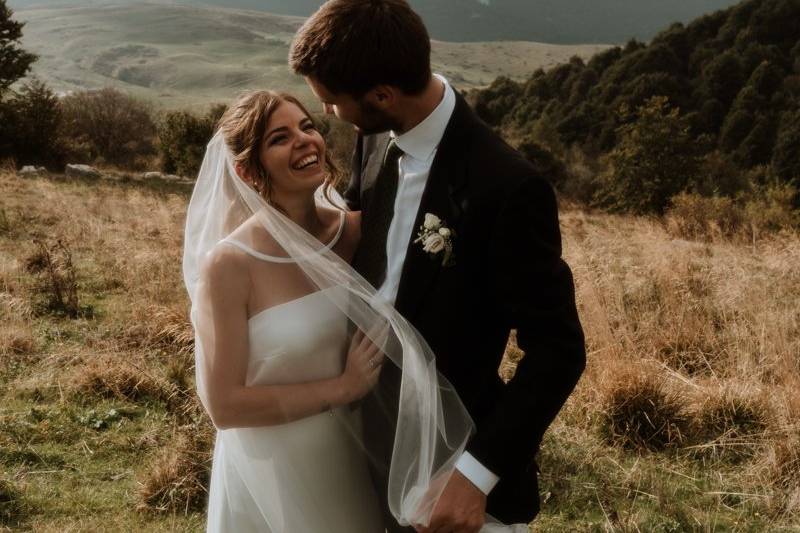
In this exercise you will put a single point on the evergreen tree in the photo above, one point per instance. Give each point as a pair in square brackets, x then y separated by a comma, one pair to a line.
[732, 73]
[36, 126]
[14, 61]
[543, 161]
[786, 157]
[14, 64]
[655, 159]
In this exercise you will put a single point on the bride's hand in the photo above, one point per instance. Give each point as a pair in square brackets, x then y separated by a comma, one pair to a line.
[364, 362]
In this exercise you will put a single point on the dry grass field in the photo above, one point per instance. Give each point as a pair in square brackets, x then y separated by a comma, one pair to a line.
[685, 420]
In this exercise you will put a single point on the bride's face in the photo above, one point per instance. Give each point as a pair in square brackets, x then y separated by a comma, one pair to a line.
[293, 151]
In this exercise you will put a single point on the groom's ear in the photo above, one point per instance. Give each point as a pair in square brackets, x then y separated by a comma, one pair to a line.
[383, 96]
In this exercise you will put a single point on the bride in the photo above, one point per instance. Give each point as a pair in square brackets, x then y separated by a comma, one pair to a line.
[290, 341]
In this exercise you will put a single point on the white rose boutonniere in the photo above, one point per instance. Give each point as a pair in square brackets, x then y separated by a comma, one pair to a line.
[436, 238]
[432, 221]
[433, 243]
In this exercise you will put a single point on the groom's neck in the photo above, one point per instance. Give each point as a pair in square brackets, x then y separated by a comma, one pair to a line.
[415, 109]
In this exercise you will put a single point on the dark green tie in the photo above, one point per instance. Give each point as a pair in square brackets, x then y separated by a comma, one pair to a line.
[370, 259]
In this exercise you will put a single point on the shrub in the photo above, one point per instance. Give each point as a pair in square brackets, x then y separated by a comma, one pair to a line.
[719, 175]
[767, 209]
[707, 218]
[118, 378]
[655, 159]
[29, 126]
[641, 412]
[52, 263]
[544, 162]
[183, 138]
[493, 103]
[581, 183]
[13, 507]
[108, 126]
[772, 208]
[729, 424]
[177, 480]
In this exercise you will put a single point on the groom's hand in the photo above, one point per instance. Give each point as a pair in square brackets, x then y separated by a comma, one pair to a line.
[461, 508]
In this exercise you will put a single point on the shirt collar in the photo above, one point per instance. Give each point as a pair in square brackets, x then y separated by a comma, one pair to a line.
[421, 141]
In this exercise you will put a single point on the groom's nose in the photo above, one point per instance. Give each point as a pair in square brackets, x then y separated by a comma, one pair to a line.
[328, 109]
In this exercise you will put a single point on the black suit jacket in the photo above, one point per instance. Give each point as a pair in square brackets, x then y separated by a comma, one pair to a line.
[508, 274]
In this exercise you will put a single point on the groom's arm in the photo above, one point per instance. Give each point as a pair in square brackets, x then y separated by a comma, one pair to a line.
[534, 294]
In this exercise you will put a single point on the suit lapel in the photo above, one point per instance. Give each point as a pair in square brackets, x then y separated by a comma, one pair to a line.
[372, 166]
[446, 179]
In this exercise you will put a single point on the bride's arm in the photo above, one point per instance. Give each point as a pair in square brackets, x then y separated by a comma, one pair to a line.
[223, 332]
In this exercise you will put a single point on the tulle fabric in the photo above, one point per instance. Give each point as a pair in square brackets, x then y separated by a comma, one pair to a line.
[431, 425]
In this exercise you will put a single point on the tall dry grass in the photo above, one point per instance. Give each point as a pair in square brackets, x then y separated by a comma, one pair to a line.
[686, 417]
[124, 241]
[693, 346]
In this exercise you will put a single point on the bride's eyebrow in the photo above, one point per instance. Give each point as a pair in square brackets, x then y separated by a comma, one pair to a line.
[276, 130]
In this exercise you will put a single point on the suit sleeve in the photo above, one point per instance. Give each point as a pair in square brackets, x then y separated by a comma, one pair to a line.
[352, 195]
[534, 293]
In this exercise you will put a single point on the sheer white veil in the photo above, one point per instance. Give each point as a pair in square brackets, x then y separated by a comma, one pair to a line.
[431, 424]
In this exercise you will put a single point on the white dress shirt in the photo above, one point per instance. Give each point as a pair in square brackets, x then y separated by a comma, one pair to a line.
[419, 147]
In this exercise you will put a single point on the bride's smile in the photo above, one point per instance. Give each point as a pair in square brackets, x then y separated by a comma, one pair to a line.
[293, 151]
[307, 162]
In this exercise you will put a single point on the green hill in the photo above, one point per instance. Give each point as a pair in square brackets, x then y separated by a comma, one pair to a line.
[181, 55]
[561, 21]
[734, 75]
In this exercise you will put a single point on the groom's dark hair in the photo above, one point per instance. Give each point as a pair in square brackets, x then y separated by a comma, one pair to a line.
[350, 46]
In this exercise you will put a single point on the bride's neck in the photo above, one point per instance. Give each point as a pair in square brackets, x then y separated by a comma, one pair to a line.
[303, 212]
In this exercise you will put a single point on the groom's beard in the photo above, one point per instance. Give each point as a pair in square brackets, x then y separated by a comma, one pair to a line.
[373, 120]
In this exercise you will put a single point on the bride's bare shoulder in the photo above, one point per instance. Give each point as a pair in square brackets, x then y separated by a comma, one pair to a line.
[226, 265]
[353, 225]
[351, 235]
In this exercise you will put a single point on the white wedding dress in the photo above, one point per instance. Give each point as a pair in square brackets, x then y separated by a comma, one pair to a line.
[311, 476]
[305, 476]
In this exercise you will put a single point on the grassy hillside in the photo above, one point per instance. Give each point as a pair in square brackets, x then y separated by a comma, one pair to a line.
[183, 55]
[734, 76]
[685, 420]
[564, 21]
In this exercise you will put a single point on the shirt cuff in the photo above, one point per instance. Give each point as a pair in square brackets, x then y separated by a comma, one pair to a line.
[478, 474]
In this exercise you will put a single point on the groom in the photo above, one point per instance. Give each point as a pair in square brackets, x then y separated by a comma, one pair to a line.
[492, 264]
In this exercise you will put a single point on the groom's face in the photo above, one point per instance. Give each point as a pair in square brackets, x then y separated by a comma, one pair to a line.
[361, 113]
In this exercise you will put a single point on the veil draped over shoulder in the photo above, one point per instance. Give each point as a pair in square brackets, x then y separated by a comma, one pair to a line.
[431, 424]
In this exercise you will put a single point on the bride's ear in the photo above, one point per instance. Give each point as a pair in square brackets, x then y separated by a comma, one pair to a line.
[244, 174]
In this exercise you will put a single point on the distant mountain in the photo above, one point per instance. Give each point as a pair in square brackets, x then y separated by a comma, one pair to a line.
[183, 55]
[548, 21]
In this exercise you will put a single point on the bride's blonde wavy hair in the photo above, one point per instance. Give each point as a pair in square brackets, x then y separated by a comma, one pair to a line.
[244, 125]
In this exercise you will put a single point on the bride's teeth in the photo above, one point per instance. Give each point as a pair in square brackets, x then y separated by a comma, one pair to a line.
[306, 161]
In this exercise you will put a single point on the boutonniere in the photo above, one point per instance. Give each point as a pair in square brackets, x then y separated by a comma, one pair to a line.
[437, 238]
